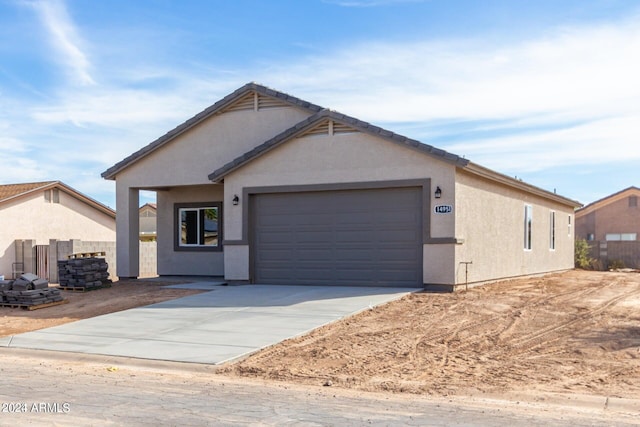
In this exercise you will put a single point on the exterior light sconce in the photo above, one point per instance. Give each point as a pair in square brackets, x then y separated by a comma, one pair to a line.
[236, 200]
[438, 193]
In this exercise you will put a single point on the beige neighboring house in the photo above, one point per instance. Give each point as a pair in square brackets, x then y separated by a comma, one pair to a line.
[148, 223]
[41, 211]
[264, 187]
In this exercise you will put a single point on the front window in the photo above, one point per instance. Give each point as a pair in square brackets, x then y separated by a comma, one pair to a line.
[198, 226]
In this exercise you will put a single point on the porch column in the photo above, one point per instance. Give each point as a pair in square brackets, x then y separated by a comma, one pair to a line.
[127, 232]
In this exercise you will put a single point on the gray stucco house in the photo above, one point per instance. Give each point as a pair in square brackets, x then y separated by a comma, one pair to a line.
[267, 188]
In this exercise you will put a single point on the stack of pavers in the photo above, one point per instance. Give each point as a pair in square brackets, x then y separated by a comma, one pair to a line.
[83, 274]
[28, 291]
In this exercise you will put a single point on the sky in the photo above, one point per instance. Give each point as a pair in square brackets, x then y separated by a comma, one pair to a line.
[546, 91]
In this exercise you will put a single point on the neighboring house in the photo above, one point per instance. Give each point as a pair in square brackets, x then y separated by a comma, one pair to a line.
[41, 211]
[148, 222]
[267, 188]
[612, 226]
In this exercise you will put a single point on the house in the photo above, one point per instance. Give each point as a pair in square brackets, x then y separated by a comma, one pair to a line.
[148, 224]
[38, 212]
[268, 188]
[612, 225]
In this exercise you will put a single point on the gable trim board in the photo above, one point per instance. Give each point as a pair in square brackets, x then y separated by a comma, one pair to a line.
[315, 154]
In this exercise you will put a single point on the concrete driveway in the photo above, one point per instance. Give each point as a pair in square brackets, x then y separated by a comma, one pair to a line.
[226, 323]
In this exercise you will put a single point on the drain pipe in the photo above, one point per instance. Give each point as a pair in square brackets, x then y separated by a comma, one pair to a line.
[466, 273]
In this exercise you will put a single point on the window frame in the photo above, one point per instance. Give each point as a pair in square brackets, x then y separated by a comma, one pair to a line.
[177, 224]
[552, 230]
[528, 227]
[620, 237]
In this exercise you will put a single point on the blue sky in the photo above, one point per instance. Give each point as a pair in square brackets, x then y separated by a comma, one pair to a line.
[547, 91]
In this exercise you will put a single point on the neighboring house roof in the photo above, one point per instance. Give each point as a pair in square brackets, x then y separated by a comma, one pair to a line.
[11, 192]
[152, 206]
[629, 191]
[324, 116]
[203, 115]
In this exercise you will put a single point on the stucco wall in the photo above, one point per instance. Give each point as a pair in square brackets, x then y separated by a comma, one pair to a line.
[615, 217]
[34, 218]
[191, 157]
[171, 262]
[490, 219]
[341, 158]
[188, 160]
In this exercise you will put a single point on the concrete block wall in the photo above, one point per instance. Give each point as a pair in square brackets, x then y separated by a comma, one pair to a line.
[61, 249]
[148, 259]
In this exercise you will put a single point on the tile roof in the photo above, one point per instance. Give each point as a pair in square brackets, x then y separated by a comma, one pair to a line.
[608, 199]
[12, 191]
[321, 116]
[206, 113]
[8, 191]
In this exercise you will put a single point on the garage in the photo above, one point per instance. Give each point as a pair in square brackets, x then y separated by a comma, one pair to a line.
[369, 237]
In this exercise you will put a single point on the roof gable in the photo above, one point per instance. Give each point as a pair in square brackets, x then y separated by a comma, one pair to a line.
[11, 192]
[250, 96]
[615, 197]
[331, 122]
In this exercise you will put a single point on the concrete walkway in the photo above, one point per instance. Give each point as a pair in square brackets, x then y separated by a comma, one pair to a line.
[226, 323]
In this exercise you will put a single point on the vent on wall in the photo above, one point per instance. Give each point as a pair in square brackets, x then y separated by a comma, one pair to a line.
[254, 101]
[52, 196]
[329, 127]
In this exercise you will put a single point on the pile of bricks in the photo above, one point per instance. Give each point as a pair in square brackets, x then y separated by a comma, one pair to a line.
[83, 273]
[28, 290]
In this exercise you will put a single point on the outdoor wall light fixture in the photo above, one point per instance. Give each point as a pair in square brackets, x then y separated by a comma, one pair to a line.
[236, 200]
[438, 193]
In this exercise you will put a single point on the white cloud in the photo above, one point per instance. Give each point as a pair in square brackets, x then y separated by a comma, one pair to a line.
[576, 86]
[65, 39]
[592, 143]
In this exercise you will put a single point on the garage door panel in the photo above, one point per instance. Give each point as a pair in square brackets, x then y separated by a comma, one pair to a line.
[355, 237]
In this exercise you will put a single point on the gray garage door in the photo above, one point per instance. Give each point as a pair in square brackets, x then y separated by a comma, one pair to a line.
[355, 237]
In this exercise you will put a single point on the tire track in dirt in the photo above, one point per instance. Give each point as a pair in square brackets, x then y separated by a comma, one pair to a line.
[479, 332]
[528, 342]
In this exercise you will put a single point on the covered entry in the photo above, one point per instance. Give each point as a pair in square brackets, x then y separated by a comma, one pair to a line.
[368, 237]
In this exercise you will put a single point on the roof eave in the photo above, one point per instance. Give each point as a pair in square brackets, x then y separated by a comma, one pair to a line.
[486, 173]
[300, 128]
[62, 186]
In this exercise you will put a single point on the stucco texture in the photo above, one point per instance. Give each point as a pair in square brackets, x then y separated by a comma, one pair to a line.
[342, 158]
[32, 218]
[490, 219]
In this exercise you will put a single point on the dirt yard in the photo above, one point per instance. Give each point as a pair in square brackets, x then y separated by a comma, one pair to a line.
[120, 296]
[573, 333]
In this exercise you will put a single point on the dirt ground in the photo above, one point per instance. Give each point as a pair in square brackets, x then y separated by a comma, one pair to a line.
[122, 295]
[576, 332]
